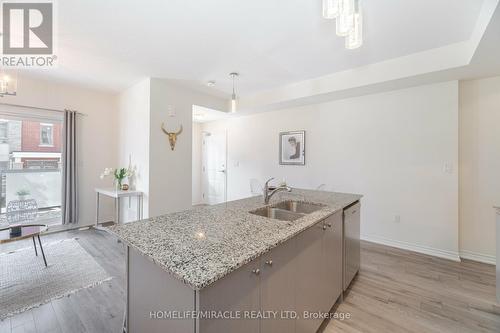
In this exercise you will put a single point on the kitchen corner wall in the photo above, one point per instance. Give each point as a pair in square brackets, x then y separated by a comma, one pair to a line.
[165, 176]
[399, 149]
[134, 126]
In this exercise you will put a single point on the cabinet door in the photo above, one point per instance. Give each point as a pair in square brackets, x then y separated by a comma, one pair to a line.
[237, 292]
[310, 277]
[332, 257]
[277, 287]
[351, 243]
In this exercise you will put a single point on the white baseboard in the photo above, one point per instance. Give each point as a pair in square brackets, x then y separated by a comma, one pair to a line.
[480, 257]
[445, 254]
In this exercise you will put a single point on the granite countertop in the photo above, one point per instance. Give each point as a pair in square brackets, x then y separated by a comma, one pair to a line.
[201, 245]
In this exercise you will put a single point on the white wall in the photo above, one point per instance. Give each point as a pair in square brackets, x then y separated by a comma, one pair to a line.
[134, 125]
[171, 171]
[196, 168]
[97, 132]
[479, 167]
[165, 176]
[391, 147]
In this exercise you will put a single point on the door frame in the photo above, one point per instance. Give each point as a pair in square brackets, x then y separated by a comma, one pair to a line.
[204, 180]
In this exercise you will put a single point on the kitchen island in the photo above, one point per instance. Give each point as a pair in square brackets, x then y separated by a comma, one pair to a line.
[225, 268]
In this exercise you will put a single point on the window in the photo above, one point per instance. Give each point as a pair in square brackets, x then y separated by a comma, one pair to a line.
[46, 135]
[4, 126]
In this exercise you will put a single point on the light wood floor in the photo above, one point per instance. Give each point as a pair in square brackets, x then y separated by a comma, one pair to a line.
[395, 291]
[402, 291]
[98, 310]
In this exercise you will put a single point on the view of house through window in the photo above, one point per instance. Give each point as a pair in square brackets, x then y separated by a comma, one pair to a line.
[46, 135]
[30, 168]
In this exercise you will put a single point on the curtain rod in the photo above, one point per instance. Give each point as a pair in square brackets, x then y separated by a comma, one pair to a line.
[38, 108]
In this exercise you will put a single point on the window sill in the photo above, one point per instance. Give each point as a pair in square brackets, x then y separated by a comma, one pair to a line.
[46, 146]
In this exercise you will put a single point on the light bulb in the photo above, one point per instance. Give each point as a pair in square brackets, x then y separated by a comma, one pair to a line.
[233, 104]
[233, 96]
[355, 38]
[331, 9]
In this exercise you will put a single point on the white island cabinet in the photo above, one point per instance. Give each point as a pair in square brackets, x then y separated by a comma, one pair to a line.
[242, 266]
[302, 277]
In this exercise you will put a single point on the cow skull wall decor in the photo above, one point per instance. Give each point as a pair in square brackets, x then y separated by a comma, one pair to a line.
[172, 137]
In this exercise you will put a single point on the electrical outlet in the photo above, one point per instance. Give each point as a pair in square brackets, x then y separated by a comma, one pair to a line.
[397, 219]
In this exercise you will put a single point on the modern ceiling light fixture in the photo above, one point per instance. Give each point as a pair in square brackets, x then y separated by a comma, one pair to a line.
[233, 96]
[331, 9]
[355, 37]
[8, 85]
[349, 20]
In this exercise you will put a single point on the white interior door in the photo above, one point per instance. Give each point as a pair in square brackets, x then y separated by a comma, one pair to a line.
[214, 167]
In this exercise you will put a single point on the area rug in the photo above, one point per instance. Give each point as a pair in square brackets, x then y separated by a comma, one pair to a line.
[26, 283]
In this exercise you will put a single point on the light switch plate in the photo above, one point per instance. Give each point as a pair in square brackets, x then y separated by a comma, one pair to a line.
[448, 168]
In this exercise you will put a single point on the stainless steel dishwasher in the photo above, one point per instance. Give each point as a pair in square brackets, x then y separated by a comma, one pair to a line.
[351, 243]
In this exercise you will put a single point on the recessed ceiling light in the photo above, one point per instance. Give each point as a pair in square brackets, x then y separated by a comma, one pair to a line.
[211, 83]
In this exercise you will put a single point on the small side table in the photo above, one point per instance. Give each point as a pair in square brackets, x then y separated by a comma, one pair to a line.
[116, 195]
[26, 231]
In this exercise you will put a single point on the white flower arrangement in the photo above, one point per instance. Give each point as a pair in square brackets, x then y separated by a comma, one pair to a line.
[119, 175]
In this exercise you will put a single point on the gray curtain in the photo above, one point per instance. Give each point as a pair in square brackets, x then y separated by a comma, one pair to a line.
[69, 171]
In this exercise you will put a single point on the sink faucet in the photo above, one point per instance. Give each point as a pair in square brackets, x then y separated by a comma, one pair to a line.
[268, 194]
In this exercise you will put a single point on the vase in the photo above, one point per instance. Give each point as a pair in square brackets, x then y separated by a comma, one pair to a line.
[118, 184]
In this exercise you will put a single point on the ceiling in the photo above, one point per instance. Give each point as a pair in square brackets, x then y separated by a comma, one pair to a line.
[113, 44]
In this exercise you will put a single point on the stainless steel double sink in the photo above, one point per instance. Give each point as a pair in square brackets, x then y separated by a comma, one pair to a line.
[289, 210]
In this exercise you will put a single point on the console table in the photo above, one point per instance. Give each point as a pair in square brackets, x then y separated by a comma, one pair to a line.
[117, 195]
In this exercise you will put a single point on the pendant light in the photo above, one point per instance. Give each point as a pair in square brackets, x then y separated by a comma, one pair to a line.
[349, 20]
[233, 96]
[345, 20]
[331, 9]
[355, 37]
[8, 83]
